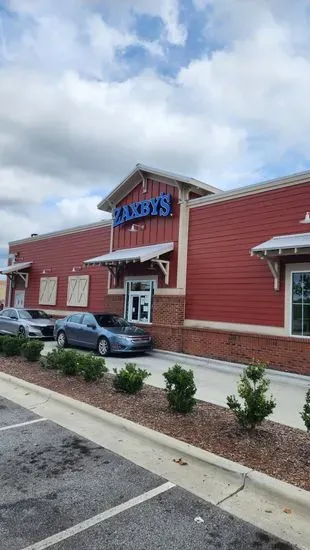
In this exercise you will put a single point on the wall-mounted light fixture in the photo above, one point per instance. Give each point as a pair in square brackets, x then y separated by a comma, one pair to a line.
[47, 270]
[76, 268]
[136, 227]
[306, 218]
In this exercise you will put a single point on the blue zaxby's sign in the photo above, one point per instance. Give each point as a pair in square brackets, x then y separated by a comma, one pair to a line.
[158, 206]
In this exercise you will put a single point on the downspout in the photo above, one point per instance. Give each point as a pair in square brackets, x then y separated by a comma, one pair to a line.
[9, 300]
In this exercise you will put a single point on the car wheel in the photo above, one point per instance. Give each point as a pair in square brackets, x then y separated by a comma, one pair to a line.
[61, 339]
[22, 332]
[103, 346]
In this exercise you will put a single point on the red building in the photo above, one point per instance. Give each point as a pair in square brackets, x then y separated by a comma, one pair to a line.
[217, 274]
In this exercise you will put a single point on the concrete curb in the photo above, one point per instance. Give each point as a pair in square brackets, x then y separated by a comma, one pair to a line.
[209, 362]
[269, 486]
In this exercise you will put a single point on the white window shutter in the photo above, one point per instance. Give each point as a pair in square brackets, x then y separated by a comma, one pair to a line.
[78, 288]
[48, 291]
[72, 291]
[43, 290]
[83, 291]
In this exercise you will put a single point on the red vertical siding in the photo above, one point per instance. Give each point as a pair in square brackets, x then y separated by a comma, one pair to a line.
[61, 253]
[224, 283]
[157, 229]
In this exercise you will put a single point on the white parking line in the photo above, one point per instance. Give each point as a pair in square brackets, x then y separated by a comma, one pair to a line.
[22, 424]
[79, 527]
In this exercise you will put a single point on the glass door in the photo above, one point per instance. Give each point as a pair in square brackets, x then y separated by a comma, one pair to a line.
[139, 298]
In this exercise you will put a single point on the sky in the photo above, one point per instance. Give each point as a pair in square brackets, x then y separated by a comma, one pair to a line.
[212, 89]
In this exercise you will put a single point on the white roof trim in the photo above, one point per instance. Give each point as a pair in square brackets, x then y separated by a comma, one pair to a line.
[69, 231]
[140, 254]
[295, 243]
[262, 187]
[15, 267]
[124, 187]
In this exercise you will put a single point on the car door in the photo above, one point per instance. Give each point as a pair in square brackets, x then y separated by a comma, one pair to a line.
[89, 333]
[13, 322]
[73, 328]
[4, 321]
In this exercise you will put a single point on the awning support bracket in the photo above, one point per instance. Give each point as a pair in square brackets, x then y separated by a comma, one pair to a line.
[115, 271]
[274, 267]
[164, 265]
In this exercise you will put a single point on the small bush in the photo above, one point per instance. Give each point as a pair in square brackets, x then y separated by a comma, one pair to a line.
[11, 345]
[130, 379]
[32, 350]
[305, 414]
[92, 368]
[252, 388]
[68, 361]
[1, 343]
[51, 360]
[180, 388]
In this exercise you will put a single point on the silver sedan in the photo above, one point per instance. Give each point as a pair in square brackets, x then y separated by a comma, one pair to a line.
[33, 323]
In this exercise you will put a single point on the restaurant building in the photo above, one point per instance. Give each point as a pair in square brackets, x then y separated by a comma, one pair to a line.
[211, 273]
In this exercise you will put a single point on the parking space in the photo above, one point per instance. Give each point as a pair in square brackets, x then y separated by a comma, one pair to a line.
[63, 492]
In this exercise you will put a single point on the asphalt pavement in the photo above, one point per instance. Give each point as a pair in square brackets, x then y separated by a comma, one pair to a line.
[61, 491]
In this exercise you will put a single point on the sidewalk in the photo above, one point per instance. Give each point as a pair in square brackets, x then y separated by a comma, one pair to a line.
[217, 379]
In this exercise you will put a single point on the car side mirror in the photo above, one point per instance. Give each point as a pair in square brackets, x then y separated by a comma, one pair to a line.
[14, 318]
[91, 325]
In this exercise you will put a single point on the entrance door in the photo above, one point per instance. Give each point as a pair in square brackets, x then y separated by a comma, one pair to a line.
[139, 297]
[19, 299]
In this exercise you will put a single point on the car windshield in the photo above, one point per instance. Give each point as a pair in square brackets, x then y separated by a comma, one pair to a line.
[32, 314]
[111, 321]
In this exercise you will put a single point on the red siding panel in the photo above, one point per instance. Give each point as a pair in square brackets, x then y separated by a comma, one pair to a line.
[156, 230]
[226, 284]
[61, 253]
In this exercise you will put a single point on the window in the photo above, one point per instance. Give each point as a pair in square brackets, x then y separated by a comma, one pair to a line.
[301, 303]
[48, 291]
[13, 314]
[77, 295]
[111, 321]
[76, 318]
[89, 319]
[32, 314]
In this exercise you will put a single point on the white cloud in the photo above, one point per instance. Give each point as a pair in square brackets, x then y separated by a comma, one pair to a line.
[74, 120]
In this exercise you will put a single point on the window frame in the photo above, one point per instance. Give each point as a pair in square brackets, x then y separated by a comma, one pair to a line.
[290, 269]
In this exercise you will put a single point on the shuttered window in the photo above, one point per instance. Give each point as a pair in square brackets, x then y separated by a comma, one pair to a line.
[78, 291]
[48, 291]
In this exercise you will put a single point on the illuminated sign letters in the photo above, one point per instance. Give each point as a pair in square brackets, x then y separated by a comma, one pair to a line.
[158, 206]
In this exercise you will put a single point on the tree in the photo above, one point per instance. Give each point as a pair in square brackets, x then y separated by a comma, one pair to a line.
[305, 414]
[252, 388]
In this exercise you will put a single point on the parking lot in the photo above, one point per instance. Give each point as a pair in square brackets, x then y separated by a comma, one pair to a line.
[60, 491]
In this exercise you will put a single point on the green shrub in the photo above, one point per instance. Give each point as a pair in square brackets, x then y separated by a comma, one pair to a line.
[92, 367]
[68, 361]
[305, 414]
[1, 343]
[252, 388]
[180, 388]
[130, 379]
[31, 350]
[51, 360]
[11, 345]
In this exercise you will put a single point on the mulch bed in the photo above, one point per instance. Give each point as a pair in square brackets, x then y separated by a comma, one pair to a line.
[273, 448]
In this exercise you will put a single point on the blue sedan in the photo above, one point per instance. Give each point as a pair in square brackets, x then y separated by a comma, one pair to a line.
[103, 332]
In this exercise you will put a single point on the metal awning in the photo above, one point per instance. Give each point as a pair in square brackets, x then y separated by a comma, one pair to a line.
[115, 260]
[14, 268]
[284, 244]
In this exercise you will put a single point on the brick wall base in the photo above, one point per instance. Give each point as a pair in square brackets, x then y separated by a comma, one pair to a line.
[286, 354]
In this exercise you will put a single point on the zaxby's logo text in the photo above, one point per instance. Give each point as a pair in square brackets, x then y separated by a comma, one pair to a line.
[158, 206]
